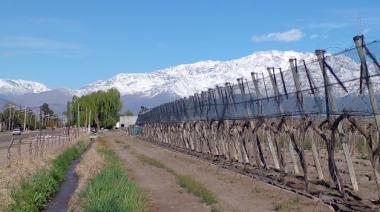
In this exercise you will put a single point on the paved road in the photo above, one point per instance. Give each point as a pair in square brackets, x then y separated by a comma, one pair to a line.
[4, 139]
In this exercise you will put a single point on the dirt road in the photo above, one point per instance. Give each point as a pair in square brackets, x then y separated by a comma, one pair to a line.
[233, 191]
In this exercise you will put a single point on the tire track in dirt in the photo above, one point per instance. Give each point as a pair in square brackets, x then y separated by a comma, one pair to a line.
[234, 192]
[160, 186]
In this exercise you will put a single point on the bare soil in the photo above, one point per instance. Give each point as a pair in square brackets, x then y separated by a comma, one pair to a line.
[89, 166]
[234, 192]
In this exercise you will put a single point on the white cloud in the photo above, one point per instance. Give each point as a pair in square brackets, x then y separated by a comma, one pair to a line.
[290, 35]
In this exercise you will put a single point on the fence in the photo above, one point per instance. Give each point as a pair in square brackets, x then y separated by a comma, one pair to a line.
[304, 121]
[35, 146]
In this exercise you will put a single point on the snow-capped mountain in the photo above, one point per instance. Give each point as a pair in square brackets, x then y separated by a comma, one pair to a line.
[187, 79]
[151, 89]
[19, 87]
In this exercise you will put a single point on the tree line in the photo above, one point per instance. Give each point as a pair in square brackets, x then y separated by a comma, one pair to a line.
[14, 116]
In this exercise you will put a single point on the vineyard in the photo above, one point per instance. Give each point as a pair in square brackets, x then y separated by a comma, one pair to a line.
[312, 128]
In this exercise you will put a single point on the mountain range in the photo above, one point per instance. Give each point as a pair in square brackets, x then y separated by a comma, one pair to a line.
[154, 88]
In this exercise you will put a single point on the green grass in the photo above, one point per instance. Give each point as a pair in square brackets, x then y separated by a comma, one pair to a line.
[118, 142]
[150, 161]
[33, 194]
[125, 146]
[196, 188]
[362, 148]
[257, 189]
[289, 205]
[215, 209]
[307, 145]
[111, 190]
[154, 162]
[186, 182]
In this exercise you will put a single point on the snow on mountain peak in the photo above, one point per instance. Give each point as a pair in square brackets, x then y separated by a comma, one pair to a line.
[19, 87]
[186, 79]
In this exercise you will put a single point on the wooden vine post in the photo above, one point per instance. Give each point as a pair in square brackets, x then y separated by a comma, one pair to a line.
[280, 157]
[299, 99]
[331, 110]
[375, 152]
[258, 95]
[259, 157]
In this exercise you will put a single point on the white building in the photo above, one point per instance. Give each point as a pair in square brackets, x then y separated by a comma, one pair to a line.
[125, 121]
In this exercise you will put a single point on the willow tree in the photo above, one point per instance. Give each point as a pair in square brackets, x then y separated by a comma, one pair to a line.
[101, 108]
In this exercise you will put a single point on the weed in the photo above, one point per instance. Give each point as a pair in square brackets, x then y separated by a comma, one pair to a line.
[362, 148]
[196, 188]
[111, 190]
[118, 142]
[126, 146]
[150, 161]
[154, 162]
[32, 194]
[215, 209]
[277, 206]
[307, 144]
[256, 189]
[187, 182]
[290, 204]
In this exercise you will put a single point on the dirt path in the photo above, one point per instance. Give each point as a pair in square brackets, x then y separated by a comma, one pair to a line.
[234, 192]
[161, 186]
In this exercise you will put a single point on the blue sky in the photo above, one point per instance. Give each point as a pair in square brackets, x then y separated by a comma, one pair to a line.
[73, 42]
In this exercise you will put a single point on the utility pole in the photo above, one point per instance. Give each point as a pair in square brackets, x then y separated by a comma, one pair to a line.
[24, 119]
[30, 121]
[9, 118]
[40, 122]
[13, 116]
[68, 114]
[78, 116]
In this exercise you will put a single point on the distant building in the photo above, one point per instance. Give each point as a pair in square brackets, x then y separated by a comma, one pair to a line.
[125, 121]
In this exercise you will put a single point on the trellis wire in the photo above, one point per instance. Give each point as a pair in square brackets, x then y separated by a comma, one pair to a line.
[243, 101]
